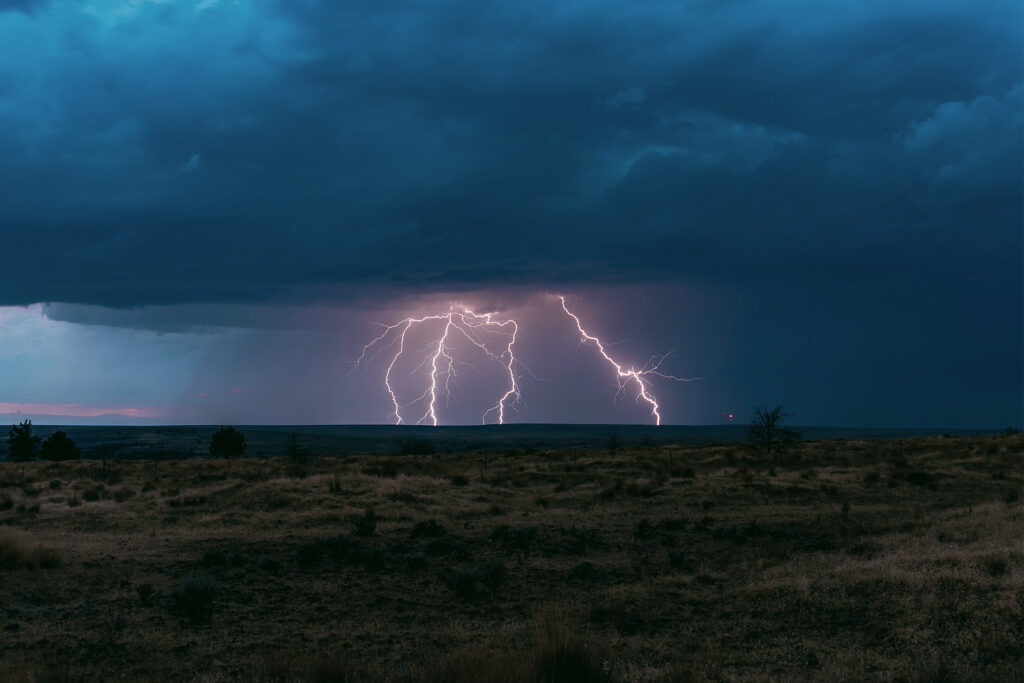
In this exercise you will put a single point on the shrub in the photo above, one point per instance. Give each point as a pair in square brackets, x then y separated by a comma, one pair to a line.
[56, 484]
[21, 442]
[427, 529]
[214, 558]
[464, 583]
[122, 494]
[562, 658]
[767, 435]
[93, 494]
[146, 593]
[59, 447]
[459, 480]
[271, 565]
[193, 597]
[367, 524]
[492, 574]
[227, 442]
[6, 502]
[583, 570]
[416, 561]
[17, 552]
[994, 565]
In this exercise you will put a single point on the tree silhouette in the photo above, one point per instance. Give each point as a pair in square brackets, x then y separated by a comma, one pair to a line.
[767, 434]
[21, 442]
[60, 447]
[227, 442]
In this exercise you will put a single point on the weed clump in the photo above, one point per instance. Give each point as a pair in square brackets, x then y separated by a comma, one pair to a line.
[427, 529]
[367, 524]
[214, 558]
[146, 593]
[17, 552]
[193, 598]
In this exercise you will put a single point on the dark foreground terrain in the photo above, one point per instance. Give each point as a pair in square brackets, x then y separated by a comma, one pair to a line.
[840, 560]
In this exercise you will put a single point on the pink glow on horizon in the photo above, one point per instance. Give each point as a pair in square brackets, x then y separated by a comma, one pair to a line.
[78, 410]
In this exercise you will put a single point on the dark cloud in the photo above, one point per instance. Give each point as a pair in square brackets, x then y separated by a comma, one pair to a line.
[156, 153]
[27, 6]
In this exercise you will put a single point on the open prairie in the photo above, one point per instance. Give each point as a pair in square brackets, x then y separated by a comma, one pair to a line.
[885, 560]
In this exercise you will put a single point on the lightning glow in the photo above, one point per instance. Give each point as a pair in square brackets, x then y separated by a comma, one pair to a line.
[470, 326]
[495, 339]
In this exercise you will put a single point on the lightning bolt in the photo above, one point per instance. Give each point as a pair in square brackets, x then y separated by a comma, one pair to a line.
[468, 325]
[624, 377]
[495, 339]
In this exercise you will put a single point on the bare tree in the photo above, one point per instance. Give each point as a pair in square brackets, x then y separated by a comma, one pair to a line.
[767, 435]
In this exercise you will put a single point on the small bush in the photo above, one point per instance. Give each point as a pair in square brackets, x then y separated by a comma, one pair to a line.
[643, 529]
[563, 658]
[193, 597]
[56, 484]
[492, 574]
[122, 494]
[416, 561]
[459, 480]
[271, 565]
[1011, 496]
[214, 558]
[427, 529]
[583, 570]
[17, 552]
[994, 565]
[6, 502]
[464, 583]
[146, 593]
[59, 447]
[94, 494]
[367, 524]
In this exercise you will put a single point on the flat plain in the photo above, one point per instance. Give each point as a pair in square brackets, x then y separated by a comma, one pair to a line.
[874, 560]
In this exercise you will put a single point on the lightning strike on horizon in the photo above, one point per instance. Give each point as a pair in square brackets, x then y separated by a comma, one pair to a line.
[443, 362]
[440, 355]
[623, 377]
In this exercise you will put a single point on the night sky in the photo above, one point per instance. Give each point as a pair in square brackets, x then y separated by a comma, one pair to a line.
[206, 206]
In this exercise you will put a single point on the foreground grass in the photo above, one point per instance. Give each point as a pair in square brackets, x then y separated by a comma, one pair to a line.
[842, 561]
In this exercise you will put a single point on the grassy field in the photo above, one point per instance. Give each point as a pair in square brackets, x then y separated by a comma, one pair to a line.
[842, 560]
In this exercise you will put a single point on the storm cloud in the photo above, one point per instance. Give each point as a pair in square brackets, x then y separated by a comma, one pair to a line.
[857, 163]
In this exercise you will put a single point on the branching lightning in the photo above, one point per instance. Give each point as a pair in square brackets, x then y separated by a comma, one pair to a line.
[495, 339]
[624, 377]
[468, 325]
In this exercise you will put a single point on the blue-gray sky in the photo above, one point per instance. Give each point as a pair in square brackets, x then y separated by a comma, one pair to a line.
[813, 203]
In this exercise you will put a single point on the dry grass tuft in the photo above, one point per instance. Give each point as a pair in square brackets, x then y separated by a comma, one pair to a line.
[18, 552]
